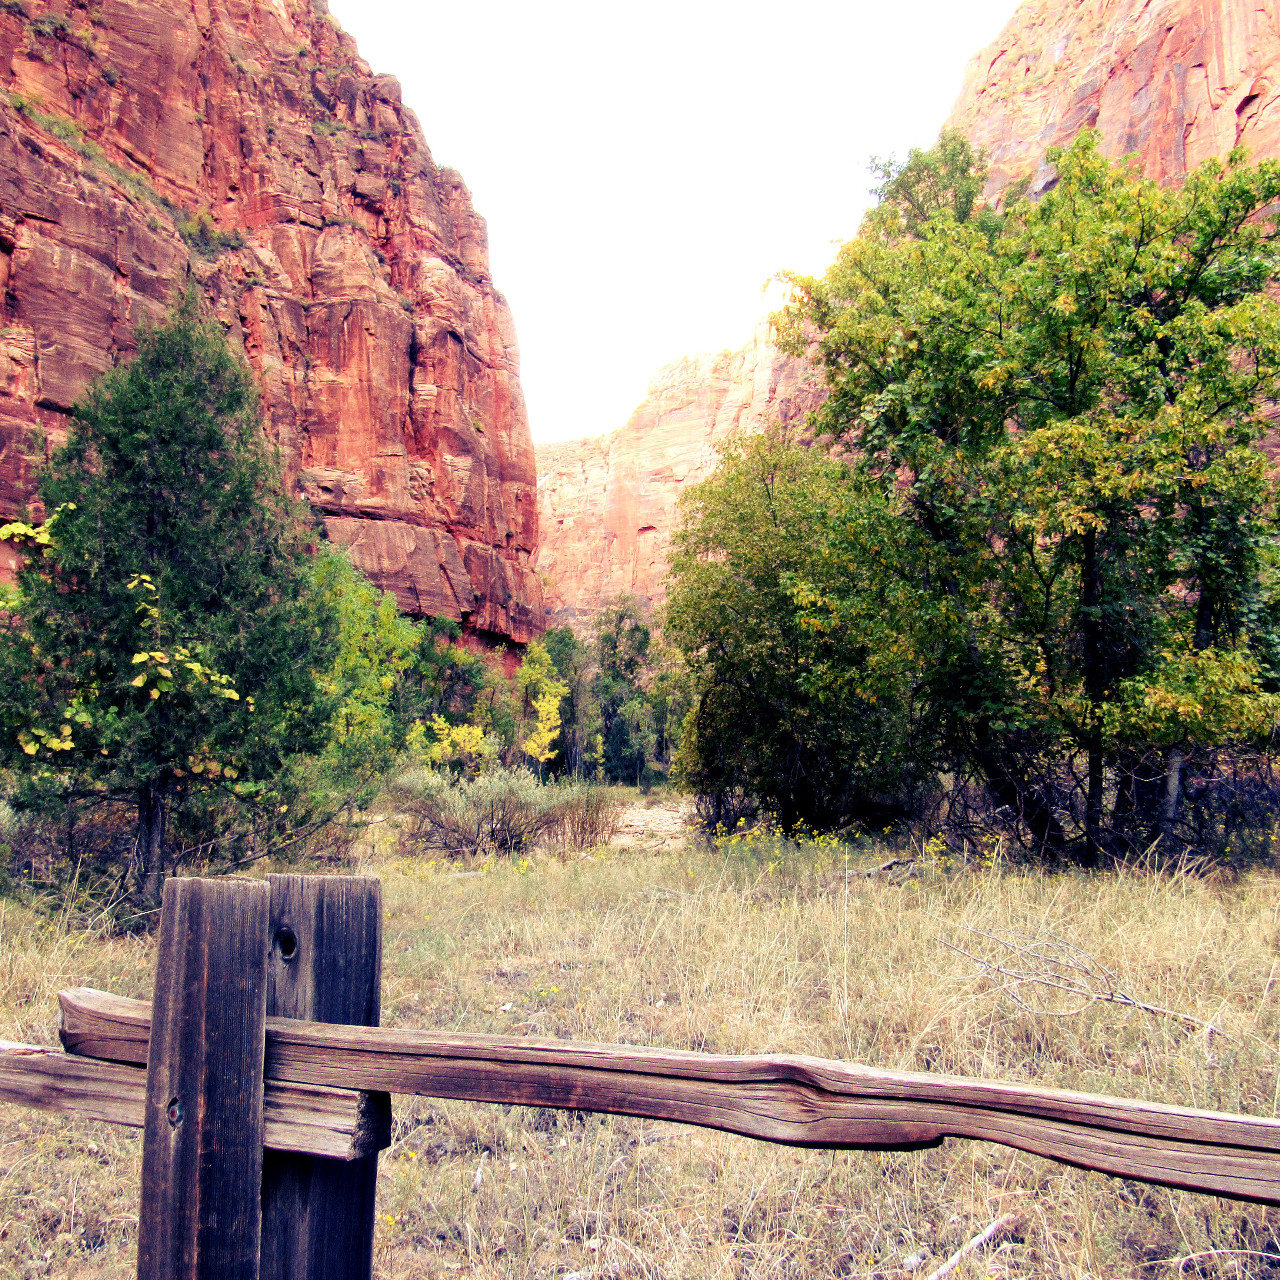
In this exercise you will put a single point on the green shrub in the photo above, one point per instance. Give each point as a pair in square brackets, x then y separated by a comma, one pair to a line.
[200, 234]
[500, 812]
[50, 26]
[503, 811]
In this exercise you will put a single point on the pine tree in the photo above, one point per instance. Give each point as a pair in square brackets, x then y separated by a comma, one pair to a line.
[163, 645]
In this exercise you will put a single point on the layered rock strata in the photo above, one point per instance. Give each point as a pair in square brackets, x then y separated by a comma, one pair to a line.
[1174, 81]
[243, 143]
[608, 505]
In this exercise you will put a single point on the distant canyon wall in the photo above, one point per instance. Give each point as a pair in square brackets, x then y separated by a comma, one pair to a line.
[245, 144]
[1174, 81]
[608, 505]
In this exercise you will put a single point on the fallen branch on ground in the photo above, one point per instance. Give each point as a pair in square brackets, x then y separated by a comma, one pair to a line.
[1062, 967]
[1001, 1226]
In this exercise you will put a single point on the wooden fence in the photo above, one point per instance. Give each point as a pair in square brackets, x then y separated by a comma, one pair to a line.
[260, 1079]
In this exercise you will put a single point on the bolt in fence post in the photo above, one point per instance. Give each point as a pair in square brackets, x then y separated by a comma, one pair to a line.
[325, 965]
[202, 1137]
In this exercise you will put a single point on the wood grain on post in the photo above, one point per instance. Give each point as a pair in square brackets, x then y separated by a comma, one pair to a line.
[203, 1127]
[325, 965]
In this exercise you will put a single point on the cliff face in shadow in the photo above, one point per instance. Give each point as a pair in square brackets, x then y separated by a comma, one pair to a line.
[244, 143]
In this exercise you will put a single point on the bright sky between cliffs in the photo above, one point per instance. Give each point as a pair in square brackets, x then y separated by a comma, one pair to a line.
[645, 169]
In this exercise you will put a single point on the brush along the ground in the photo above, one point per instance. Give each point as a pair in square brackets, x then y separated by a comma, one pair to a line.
[754, 948]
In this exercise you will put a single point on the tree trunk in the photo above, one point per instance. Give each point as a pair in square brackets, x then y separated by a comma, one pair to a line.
[1009, 789]
[151, 823]
[1094, 689]
[1172, 794]
[1093, 808]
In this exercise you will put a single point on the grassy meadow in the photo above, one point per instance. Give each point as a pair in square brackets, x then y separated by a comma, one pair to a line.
[660, 940]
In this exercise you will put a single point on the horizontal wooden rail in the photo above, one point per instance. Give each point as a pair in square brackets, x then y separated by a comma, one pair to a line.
[798, 1101]
[311, 1120]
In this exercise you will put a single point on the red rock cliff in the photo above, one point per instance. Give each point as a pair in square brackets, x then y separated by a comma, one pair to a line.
[1176, 81]
[245, 142]
[608, 504]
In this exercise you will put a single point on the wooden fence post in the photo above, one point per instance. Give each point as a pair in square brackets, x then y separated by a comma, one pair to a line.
[325, 965]
[203, 1128]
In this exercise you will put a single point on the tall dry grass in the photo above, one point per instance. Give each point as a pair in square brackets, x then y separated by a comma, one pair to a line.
[739, 952]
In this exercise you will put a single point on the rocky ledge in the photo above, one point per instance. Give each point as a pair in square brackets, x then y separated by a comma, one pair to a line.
[245, 143]
[1173, 81]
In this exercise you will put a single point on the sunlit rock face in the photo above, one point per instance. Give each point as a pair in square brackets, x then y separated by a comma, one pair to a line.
[1174, 81]
[608, 505]
[351, 268]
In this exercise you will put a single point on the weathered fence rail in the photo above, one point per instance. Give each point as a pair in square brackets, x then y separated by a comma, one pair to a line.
[318, 1103]
[796, 1101]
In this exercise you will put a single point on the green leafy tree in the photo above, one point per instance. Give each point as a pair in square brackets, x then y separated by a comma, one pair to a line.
[670, 695]
[1052, 417]
[621, 638]
[541, 693]
[579, 711]
[814, 727]
[164, 647]
[496, 707]
[444, 679]
[636, 717]
[378, 652]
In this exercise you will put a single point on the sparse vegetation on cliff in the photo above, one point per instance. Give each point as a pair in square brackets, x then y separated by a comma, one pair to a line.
[201, 234]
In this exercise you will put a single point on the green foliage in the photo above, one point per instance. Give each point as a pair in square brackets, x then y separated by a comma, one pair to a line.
[626, 694]
[200, 234]
[1047, 569]
[164, 647]
[51, 26]
[811, 730]
[579, 711]
[541, 693]
[56, 126]
[376, 649]
[69, 132]
[944, 182]
[444, 679]
[622, 640]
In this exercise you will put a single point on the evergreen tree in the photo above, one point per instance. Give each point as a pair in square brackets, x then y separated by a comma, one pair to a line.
[163, 648]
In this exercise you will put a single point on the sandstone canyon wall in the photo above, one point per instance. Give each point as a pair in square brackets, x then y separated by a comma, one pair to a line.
[1175, 81]
[244, 143]
[608, 505]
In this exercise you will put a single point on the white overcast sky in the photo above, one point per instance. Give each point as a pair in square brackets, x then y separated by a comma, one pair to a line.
[645, 169]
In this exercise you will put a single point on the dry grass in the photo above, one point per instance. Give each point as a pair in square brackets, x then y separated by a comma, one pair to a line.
[738, 954]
